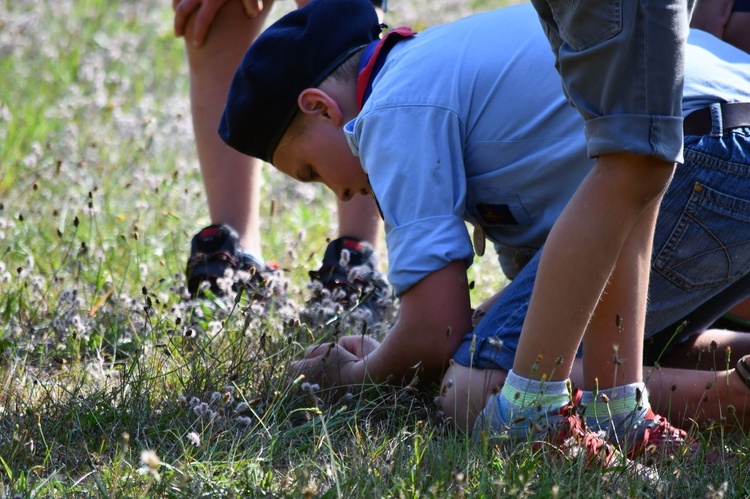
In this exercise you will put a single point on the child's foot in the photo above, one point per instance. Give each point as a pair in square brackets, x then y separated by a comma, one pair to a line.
[572, 438]
[625, 417]
[563, 428]
[654, 437]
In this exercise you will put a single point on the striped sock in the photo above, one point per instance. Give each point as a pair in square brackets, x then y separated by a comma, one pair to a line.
[525, 404]
[615, 410]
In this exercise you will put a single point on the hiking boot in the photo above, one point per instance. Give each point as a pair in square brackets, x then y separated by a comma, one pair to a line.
[348, 278]
[216, 258]
[654, 436]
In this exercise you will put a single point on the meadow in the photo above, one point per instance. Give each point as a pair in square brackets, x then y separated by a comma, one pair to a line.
[113, 383]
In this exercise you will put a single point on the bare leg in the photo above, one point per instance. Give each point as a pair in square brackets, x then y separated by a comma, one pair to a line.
[359, 217]
[465, 391]
[684, 396]
[741, 310]
[610, 217]
[714, 350]
[232, 180]
[736, 31]
[613, 343]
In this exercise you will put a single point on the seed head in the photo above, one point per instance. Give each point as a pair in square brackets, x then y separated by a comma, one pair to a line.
[150, 459]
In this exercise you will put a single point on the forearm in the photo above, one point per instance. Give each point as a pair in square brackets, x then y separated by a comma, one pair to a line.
[406, 353]
[433, 318]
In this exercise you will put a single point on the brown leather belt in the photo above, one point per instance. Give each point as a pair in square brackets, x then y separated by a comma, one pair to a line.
[733, 115]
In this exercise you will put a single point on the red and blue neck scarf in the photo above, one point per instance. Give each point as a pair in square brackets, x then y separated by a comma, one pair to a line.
[373, 59]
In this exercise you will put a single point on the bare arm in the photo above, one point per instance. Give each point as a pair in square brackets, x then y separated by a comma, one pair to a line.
[712, 16]
[437, 303]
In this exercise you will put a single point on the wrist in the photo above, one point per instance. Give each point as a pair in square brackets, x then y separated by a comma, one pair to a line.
[356, 373]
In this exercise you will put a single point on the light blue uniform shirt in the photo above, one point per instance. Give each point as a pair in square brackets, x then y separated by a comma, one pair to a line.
[467, 121]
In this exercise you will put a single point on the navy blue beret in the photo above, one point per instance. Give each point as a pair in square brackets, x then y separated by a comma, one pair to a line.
[296, 52]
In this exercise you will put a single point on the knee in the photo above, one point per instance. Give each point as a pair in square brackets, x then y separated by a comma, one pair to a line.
[449, 400]
[464, 392]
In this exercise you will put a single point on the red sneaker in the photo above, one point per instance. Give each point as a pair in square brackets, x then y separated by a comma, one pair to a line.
[572, 438]
[655, 436]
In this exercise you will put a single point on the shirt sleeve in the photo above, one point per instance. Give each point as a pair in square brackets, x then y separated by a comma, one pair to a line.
[413, 156]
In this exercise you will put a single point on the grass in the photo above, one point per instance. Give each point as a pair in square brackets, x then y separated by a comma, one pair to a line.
[113, 385]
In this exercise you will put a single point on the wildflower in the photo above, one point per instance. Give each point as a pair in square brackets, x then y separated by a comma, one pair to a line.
[495, 342]
[225, 283]
[227, 398]
[244, 420]
[214, 328]
[150, 459]
[194, 438]
[150, 464]
[310, 388]
[215, 396]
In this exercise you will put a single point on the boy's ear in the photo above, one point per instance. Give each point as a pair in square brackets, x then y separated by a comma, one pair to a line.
[314, 102]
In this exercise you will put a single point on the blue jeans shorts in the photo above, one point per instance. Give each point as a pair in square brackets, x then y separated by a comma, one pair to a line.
[622, 66]
[700, 262]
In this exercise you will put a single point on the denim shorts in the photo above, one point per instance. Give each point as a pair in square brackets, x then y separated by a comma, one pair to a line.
[700, 262]
[622, 66]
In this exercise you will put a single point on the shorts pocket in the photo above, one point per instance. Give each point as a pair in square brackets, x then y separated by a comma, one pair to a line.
[583, 24]
[710, 244]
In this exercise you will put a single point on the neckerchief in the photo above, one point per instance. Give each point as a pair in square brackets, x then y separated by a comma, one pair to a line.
[371, 63]
[373, 59]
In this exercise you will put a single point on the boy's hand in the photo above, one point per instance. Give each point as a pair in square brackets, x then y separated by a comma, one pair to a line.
[360, 345]
[330, 364]
[430, 328]
[205, 12]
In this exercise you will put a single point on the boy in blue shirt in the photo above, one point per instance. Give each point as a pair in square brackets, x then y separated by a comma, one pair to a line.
[441, 129]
